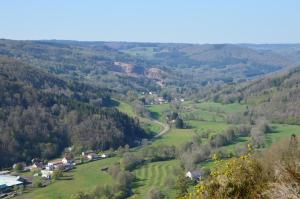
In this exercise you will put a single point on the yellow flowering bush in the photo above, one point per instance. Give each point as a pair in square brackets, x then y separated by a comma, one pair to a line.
[239, 177]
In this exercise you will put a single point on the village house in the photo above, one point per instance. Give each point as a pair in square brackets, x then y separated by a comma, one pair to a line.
[85, 153]
[37, 166]
[55, 165]
[160, 100]
[47, 174]
[195, 175]
[93, 156]
[90, 155]
[67, 160]
[65, 164]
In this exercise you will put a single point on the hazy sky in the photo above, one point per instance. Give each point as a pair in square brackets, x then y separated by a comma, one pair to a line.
[193, 21]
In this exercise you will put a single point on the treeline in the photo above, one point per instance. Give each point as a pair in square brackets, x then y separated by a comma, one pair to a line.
[41, 114]
[195, 151]
[131, 161]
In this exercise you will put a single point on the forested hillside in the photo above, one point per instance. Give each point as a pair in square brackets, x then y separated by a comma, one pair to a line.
[41, 114]
[91, 62]
[175, 69]
[276, 97]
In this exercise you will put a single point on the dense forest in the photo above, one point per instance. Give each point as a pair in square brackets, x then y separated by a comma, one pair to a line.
[41, 114]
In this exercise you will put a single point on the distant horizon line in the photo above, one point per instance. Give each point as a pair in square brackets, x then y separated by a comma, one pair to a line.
[156, 42]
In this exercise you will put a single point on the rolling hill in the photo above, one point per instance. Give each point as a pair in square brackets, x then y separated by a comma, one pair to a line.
[179, 69]
[275, 97]
[41, 114]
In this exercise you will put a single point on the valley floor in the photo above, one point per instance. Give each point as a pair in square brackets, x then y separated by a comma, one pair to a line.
[201, 117]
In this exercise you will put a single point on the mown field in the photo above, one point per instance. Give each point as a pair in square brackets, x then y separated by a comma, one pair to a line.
[156, 174]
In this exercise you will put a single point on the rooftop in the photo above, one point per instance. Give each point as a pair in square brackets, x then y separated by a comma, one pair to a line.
[9, 180]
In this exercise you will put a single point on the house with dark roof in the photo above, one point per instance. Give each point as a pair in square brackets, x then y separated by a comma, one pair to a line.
[37, 166]
[195, 175]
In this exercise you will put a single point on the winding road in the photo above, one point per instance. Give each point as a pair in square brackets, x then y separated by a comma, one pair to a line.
[165, 130]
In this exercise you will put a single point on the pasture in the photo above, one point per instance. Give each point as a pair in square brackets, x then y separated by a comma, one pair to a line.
[83, 178]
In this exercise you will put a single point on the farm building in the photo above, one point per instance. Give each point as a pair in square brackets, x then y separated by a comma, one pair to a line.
[7, 182]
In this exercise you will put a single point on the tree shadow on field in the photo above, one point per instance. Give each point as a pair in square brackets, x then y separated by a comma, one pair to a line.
[138, 183]
[273, 130]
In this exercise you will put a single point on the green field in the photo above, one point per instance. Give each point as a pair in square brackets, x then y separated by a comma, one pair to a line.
[217, 107]
[125, 108]
[175, 137]
[155, 175]
[84, 178]
[202, 126]
[281, 131]
[147, 52]
[150, 126]
[145, 123]
[158, 111]
[209, 111]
